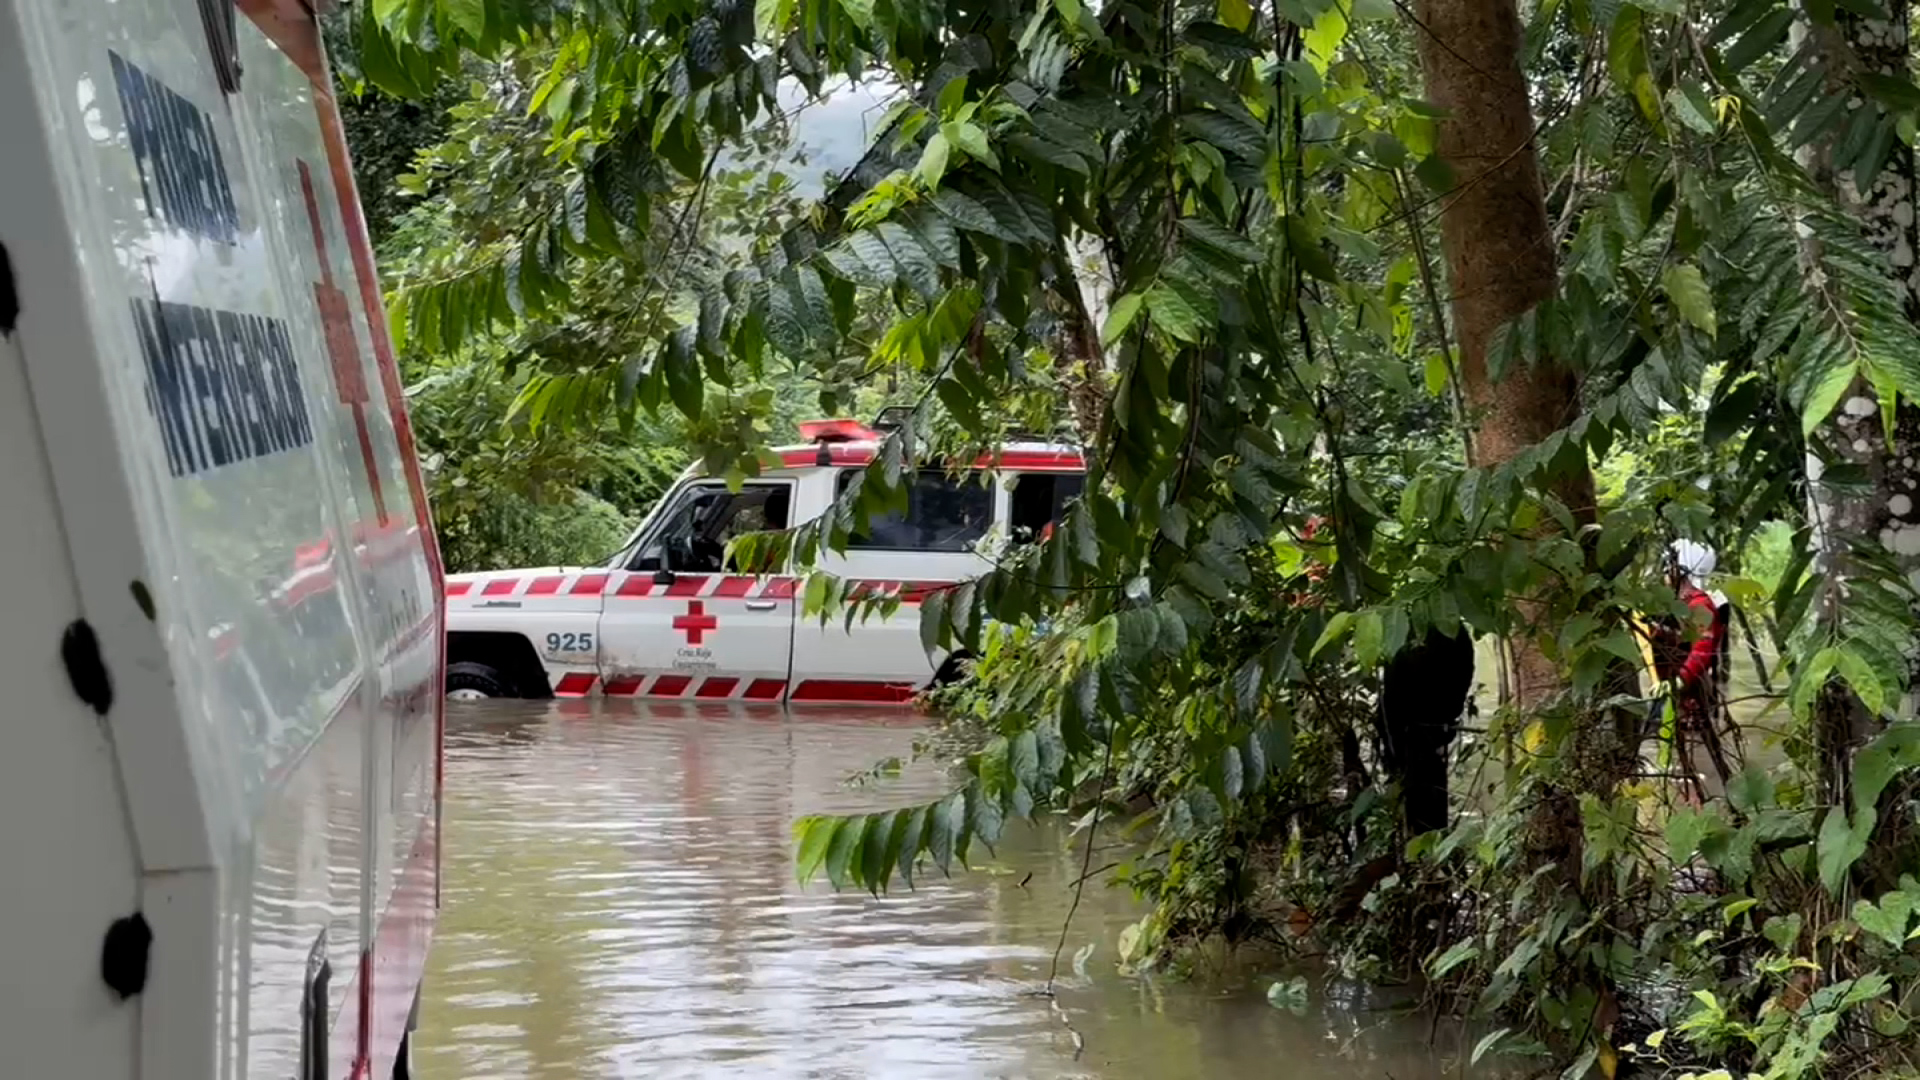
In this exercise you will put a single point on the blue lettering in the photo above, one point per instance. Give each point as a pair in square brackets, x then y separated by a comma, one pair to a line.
[183, 176]
[222, 385]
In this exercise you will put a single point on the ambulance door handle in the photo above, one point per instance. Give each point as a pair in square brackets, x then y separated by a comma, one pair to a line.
[762, 605]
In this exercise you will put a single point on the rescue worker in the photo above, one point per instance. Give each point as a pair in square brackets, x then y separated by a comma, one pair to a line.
[1689, 657]
[1426, 689]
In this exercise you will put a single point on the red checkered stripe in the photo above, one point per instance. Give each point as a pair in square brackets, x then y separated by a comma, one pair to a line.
[619, 583]
[733, 688]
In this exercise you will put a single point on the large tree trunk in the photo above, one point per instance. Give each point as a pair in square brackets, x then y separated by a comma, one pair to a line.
[1081, 302]
[1889, 511]
[1500, 257]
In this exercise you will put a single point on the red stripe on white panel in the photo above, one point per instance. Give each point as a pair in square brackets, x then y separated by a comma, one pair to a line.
[575, 684]
[545, 586]
[588, 585]
[501, 587]
[733, 585]
[688, 585]
[853, 691]
[766, 689]
[718, 687]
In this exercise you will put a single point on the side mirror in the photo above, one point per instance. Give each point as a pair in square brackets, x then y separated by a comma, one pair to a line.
[663, 577]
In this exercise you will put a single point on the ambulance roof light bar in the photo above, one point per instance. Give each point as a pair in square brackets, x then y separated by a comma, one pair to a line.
[836, 431]
[824, 433]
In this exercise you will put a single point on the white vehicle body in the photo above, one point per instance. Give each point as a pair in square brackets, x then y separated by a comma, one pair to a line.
[665, 620]
[219, 794]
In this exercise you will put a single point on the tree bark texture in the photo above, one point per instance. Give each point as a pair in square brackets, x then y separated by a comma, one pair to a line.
[1500, 255]
[1888, 512]
[1081, 302]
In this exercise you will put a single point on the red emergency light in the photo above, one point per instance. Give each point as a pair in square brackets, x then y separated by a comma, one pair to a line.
[837, 431]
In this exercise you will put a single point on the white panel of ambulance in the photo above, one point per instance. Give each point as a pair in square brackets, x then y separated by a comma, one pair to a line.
[222, 426]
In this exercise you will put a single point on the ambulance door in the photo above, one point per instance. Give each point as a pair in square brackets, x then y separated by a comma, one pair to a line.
[677, 625]
[879, 659]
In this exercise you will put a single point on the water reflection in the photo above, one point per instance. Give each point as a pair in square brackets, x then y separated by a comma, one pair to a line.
[620, 901]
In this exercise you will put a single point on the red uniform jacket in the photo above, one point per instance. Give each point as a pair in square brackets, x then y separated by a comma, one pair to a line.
[1687, 660]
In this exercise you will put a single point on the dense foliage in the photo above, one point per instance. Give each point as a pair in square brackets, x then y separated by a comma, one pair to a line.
[1233, 247]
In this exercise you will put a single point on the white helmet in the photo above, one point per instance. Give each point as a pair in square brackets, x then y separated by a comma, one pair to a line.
[1695, 560]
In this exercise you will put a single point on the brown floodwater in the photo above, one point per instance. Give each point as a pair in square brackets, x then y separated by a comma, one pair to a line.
[619, 901]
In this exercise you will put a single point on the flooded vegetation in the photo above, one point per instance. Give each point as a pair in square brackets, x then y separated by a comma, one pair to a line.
[620, 900]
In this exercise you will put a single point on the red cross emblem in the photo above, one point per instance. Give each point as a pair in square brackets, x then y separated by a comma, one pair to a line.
[336, 318]
[696, 622]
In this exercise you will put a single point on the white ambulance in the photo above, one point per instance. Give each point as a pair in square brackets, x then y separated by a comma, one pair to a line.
[665, 619]
[219, 796]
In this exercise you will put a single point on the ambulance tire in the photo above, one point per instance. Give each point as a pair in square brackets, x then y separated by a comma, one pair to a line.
[953, 670]
[471, 679]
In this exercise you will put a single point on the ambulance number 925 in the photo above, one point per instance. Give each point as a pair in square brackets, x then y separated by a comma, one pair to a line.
[569, 643]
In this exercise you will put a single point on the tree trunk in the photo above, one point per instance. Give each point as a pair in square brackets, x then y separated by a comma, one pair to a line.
[1500, 258]
[1081, 302]
[1886, 512]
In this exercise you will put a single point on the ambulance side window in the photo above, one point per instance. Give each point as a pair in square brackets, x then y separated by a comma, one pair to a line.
[943, 514]
[693, 537]
[1038, 500]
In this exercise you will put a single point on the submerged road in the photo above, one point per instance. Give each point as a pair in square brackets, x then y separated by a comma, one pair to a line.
[620, 902]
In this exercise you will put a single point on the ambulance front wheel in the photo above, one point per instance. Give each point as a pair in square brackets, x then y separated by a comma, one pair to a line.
[470, 680]
[953, 670]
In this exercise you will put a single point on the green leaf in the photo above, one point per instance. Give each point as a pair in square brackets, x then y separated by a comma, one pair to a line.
[1336, 629]
[984, 815]
[1688, 290]
[813, 834]
[1685, 829]
[952, 96]
[1688, 103]
[933, 619]
[1023, 759]
[1174, 316]
[971, 138]
[1120, 317]
[1783, 931]
[876, 860]
[469, 16]
[1221, 239]
[1436, 374]
[841, 849]
[1828, 386]
[1886, 920]
[1307, 251]
[1368, 631]
[1486, 1043]
[944, 822]
[912, 828]
[683, 374]
[933, 160]
[1839, 847]
[1769, 32]
[1460, 952]
[1859, 676]
[1237, 14]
